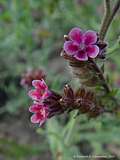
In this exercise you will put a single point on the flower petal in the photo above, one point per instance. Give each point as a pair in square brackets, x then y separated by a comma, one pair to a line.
[70, 47]
[46, 94]
[90, 37]
[76, 35]
[35, 94]
[35, 108]
[82, 56]
[92, 51]
[39, 117]
[39, 84]
[36, 118]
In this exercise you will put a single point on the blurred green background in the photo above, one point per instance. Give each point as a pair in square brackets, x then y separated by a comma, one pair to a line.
[31, 37]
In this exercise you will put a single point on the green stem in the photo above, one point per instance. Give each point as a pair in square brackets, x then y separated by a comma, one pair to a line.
[108, 18]
[105, 18]
[70, 131]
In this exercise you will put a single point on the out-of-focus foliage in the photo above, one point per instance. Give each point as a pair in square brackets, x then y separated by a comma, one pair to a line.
[31, 36]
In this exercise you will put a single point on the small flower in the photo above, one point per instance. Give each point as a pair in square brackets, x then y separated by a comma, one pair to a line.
[39, 113]
[40, 92]
[81, 45]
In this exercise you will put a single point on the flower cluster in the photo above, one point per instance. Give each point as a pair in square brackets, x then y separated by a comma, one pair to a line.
[38, 95]
[47, 103]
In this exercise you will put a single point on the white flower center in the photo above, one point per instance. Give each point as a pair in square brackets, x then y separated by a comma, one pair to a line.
[82, 46]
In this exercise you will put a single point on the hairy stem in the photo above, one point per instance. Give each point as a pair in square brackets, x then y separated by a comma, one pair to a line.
[108, 18]
[101, 76]
[105, 19]
[71, 130]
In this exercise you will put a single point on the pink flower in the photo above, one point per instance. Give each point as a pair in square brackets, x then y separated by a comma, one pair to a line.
[40, 113]
[81, 45]
[38, 95]
[46, 102]
[40, 92]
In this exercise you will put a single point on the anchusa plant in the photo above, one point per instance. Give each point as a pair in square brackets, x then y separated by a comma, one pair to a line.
[85, 52]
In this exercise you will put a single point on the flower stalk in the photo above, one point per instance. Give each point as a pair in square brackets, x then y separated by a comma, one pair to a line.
[108, 18]
[101, 76]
